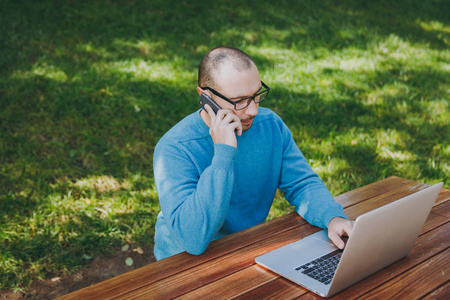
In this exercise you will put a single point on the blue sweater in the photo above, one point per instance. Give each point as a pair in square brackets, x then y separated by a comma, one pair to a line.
[208, 191]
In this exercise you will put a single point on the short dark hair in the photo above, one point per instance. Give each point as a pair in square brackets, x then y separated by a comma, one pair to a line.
[215, 58]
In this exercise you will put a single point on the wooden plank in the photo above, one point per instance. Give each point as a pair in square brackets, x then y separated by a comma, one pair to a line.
[443, 196]
[371, 190]
[232, 285]
[361, 208]
[159, 270]
[437, 216]
[223, 266]
[426, 246]
[416, 282]
[442, 292]
[277, 289]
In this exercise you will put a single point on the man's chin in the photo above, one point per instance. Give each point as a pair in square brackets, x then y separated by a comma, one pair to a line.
[246, 127]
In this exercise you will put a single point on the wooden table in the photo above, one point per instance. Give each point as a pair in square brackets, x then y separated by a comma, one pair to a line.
[227, 269]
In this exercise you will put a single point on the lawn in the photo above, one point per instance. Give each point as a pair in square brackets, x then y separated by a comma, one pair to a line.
[87, 88]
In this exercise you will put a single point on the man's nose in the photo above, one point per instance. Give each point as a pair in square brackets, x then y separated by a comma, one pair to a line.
[252, 108]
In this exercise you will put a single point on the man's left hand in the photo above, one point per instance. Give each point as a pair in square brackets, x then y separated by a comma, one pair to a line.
[337, 228]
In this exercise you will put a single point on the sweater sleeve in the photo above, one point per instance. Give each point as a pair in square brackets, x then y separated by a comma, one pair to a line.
[302, 186]
[194, 205]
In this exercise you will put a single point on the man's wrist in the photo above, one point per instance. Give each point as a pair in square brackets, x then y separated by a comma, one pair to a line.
[337, 219]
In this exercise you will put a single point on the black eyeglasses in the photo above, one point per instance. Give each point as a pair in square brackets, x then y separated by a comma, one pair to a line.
[243, 103]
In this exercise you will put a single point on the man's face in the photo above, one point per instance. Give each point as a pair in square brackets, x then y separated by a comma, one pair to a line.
[236, 85]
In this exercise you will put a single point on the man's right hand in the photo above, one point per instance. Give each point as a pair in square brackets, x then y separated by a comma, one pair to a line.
[224, 126]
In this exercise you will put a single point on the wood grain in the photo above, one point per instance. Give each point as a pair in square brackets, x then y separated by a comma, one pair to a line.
[220, 267]
[416, 282]
[232, 285]
[442, 292]
[371, 190]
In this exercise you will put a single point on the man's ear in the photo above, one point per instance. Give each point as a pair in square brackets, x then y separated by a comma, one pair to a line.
[200, 91]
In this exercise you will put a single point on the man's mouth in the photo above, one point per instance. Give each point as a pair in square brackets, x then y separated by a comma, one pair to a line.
[247, 121]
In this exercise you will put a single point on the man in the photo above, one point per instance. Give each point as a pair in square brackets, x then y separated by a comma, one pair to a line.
[218, 174]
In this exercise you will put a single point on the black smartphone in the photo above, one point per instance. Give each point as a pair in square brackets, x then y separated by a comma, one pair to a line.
[205, 99]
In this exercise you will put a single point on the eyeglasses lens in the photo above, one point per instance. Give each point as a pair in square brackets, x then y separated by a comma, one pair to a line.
[246, 102]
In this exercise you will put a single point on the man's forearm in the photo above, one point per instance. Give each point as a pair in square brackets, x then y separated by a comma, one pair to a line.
[195, 210]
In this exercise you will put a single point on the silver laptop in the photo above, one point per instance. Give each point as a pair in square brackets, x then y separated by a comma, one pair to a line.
[379, 238]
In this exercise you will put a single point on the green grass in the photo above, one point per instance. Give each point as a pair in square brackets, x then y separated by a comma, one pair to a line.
[88, 87]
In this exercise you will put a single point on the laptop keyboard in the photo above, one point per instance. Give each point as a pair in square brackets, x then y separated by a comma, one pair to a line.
[322, 269]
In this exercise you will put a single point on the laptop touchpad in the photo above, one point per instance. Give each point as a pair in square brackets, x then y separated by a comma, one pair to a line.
[315, 245]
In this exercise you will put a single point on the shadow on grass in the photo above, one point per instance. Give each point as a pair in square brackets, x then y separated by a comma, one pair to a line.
[87, 89]
[108, 30]
[358, 132]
